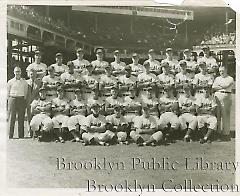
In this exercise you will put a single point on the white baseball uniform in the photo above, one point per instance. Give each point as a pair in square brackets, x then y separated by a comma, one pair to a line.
[99, 67]
[132, 107]
[125, 83]
[41, 118]
[106, 83]
[187, 116]
[59, 119]
[206, 116]
[40, 68]
[118, 68]
[110, 103]
[59, 69]
[141, 123]
[118, 121]
[155, 67]
[148, 79]
[80, 66]
[52, 83]
[136, 69]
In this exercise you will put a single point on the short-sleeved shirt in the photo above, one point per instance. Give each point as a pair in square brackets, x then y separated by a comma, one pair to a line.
[112, 119]
[118, 67]
[95, 121]
[127, 82]
[80, 66]
[154, 66]
[207, 104]
[226, 83]
[78, 107]
[52, 83]
[107, 82]
[183, 78]
[203, 79]
[59, 69]
[141, 122]
[173, 65]
[42, 103]
[99, 66]
[136, 69]
[166, 101]
[152, 105]
[186, 102]
[60, 103]
[17, 88]
[132, 105]
[144, 77]
[40, 68]
[166, 79]
[90, 82]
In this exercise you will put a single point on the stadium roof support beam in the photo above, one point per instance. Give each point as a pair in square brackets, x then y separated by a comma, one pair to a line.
[139, 11]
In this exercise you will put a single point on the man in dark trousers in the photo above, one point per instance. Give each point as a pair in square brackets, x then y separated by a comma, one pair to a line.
[17, 89]
[34, 85]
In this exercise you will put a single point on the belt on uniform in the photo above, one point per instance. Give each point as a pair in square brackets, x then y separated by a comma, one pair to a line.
[224, 92]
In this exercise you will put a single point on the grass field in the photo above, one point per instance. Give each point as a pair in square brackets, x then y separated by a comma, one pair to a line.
[32, 164]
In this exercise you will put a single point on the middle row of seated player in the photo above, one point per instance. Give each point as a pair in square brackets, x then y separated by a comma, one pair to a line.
[88, 82]
[102, 123]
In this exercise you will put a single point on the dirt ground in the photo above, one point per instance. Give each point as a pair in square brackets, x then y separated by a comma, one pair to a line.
[31, 164]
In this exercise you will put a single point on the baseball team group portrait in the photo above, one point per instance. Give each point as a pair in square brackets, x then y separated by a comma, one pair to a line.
[116, 83]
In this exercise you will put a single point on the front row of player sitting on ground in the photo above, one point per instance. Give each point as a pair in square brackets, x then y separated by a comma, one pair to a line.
[94, 123]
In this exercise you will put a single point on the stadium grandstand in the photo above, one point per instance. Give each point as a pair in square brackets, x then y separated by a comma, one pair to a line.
[128, 29]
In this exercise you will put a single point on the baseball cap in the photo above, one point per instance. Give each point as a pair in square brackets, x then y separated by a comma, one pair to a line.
[186, 50]
[135, 55]
[205, 47]
[151, 51]
[59, 54]
[202, 64]
[36, 52]
[99, 50]
[42, 89]
[70, 64]
[146, 63]
[60, 88]
[116, 51]
[95, 104]
[80, 50]
[168, 49]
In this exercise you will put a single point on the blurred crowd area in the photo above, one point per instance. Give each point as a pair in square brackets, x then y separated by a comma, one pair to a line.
[142, 33]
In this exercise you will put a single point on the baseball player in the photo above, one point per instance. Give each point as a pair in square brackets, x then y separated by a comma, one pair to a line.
[131, 106]
[189, 57]
[106, 82]
[113, 100]
[95, 128]
[168, 108]
[187, 108]
[146, 129]
[135, 66]
[51, 82]
[206, 110]
[80, 63]
[117, 65]
[146, 80]
[59, 66]
[60, 110]
[164, 79]
[151, 101]
[211, 63]
[78, 112]
[37, 65]
[89, 82]
[202, 80]
[96, 98]
[41, 121]
[126, 81]
[71, 80]
[155, 67]
[172, 62]
[118, 124]
[99, 64]
[182, 78]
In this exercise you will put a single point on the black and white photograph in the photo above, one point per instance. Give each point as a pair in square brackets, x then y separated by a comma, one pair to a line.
[126, 99]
